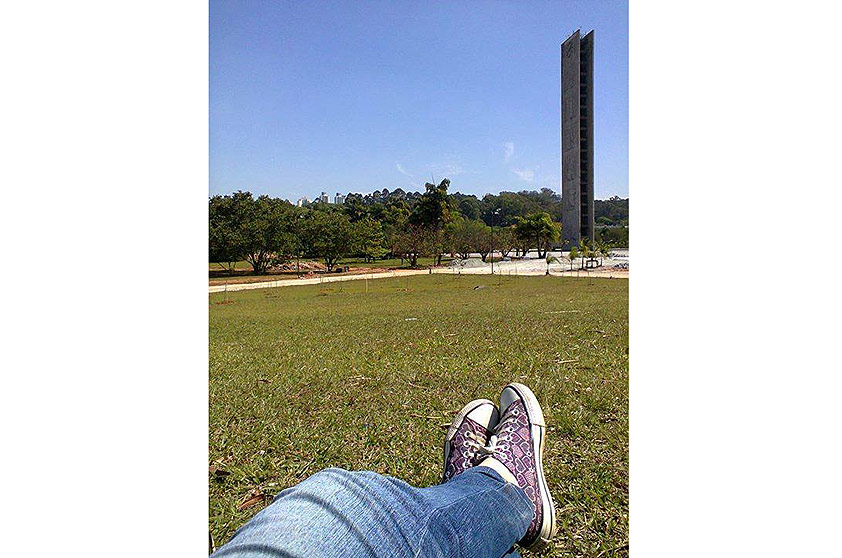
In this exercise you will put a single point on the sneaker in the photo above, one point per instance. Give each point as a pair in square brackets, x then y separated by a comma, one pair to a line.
[518, 444]
[467, 436]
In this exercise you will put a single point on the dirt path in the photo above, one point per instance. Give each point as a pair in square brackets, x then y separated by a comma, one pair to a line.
[555, 270]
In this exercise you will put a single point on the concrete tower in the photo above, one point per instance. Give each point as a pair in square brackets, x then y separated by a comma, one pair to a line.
[577, 139]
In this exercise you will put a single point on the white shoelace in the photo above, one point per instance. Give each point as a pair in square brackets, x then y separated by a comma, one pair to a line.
[498, 443]
[475, 446]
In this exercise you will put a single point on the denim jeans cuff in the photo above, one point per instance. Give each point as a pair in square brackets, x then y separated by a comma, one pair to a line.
[489, 472]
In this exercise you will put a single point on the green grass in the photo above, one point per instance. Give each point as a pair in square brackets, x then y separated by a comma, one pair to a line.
[307, 377]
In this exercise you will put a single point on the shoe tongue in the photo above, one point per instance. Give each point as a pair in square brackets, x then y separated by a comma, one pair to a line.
[478, 428]
[507, 415]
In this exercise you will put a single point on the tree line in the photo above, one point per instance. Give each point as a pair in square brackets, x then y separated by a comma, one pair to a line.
[269, 231]
[507, 205]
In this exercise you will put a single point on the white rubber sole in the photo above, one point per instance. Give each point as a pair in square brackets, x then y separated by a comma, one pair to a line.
[454, 426]
[538, 431]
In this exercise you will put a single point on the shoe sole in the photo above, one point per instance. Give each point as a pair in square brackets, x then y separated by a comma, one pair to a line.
[537, 430]
[460, 417]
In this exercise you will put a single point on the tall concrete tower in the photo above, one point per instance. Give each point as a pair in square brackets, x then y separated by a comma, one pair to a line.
[577, 139]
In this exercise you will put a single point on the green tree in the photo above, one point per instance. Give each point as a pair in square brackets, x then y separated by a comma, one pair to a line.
[396, 213]
[434, 209]
[456, 238]
[603, 248]
[395, 220]
[224, 241]
[469, 206]
[261, 230]
[369, 239]
[613, 211]
[617, 236]
[504, 240]
[436, 243]
[524, 234]
[411, 242]
[585, 249]
[546, 232]
[510, 205]
[482, 240]
[539, 229]
[465, 236]
[354, 207]
[269, 233]
[329, 236]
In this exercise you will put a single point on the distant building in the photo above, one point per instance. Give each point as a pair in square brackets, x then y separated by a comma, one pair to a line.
[302, 201]
[323, 198]
[577, 197]
[339, 199]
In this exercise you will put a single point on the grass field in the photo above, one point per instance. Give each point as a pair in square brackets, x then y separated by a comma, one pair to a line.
[307, 377]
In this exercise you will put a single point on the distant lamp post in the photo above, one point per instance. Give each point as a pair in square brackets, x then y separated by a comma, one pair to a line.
[493, 213]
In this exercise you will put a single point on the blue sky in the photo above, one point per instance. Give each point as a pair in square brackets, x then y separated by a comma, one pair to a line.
[357, 96]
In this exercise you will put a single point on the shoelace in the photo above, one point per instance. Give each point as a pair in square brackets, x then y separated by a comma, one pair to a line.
[475, 446]
[498, 443]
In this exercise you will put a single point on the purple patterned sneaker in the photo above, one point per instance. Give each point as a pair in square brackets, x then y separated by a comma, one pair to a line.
[467, 436]
[518, 444]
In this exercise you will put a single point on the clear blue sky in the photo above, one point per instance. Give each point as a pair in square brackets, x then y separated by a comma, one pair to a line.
[357, 96]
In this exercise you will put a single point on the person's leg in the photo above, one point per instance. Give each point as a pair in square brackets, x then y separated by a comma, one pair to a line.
[361, 514]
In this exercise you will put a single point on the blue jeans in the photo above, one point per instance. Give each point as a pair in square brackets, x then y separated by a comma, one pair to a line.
[362, 514]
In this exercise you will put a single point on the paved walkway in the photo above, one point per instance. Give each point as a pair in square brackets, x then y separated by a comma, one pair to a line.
[314, 280]
[556, 272]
